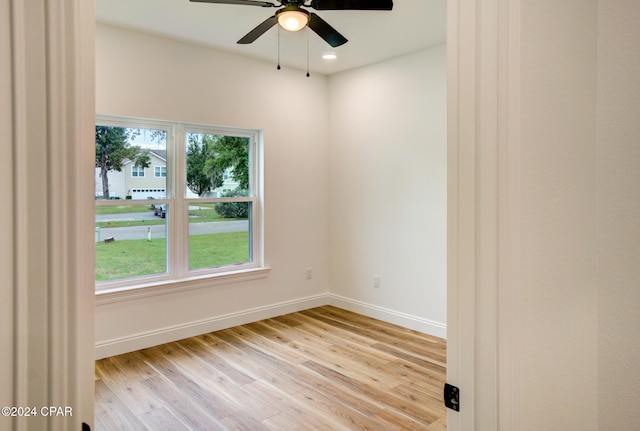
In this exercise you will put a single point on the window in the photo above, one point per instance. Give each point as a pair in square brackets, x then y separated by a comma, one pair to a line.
[160, 171]
[137, 171]
[199, 216]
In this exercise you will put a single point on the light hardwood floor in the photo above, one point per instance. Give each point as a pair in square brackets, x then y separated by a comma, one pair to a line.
[319, 369]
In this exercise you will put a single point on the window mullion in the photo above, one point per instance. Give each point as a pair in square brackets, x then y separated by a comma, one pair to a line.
[180, 213]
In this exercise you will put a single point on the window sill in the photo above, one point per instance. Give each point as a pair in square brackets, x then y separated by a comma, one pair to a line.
[128, 293]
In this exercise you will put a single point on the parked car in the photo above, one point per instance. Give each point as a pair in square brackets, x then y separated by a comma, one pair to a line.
[160, 210]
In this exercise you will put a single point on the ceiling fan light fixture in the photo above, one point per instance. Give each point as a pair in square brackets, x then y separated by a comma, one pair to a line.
[293, 20]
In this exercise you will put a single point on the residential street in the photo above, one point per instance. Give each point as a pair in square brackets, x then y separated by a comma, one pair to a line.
[159, 231]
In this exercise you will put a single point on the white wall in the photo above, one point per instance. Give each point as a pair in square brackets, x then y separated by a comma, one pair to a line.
[388, 189]
[618, 214]
[556, 323]
[568, 207]
[578, 360]
[146, 76]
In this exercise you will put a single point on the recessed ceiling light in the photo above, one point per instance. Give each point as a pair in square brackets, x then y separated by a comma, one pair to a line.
[329, 56]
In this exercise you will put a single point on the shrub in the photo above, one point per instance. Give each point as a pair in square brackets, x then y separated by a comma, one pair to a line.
[233, 209]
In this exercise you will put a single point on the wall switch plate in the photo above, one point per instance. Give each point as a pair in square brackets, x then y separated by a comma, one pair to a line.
[309, 273]
[376, 281]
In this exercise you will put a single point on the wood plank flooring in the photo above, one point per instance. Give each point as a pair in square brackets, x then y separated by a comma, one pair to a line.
[319, 369]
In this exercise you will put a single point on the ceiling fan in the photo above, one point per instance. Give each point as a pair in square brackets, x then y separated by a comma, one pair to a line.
[292, 17]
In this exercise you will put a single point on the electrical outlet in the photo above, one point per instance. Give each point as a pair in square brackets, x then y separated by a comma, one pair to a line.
[376, 281]
[309, 273]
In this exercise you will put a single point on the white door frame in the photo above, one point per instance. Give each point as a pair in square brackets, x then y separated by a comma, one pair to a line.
[47, 73]
[52, 108]
[483, 209]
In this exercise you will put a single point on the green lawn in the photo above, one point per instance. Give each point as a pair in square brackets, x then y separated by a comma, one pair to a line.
[204, 214]
[133, 258]
[123, 223]
[123, 209]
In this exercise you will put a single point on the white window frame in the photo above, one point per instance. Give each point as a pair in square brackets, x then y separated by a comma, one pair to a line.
[137, 171]
[159, 168]
[178, 276]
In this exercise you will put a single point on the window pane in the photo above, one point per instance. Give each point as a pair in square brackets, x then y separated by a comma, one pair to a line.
[130, 241]
[219, 234]
[137, 171]
[125, 161]
[217, 166]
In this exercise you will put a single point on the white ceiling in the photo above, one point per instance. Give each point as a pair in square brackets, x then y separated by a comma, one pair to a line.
[373, 35]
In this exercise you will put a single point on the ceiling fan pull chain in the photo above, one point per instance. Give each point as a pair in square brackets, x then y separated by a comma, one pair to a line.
[308, 52]
[278, 47]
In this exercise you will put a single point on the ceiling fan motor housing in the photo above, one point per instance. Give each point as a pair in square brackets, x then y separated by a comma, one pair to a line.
[292, 17]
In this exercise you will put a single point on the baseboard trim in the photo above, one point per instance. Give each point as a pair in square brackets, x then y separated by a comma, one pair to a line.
[405, 320]
[159, 336]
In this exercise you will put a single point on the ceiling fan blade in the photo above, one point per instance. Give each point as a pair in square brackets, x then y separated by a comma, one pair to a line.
[240, 2]
[259, 30]
[325, 31]
[352, 4]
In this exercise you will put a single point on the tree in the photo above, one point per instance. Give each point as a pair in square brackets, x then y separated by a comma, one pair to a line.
[113, 149]
[209, 156]
[230, 152]
[198, 151]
